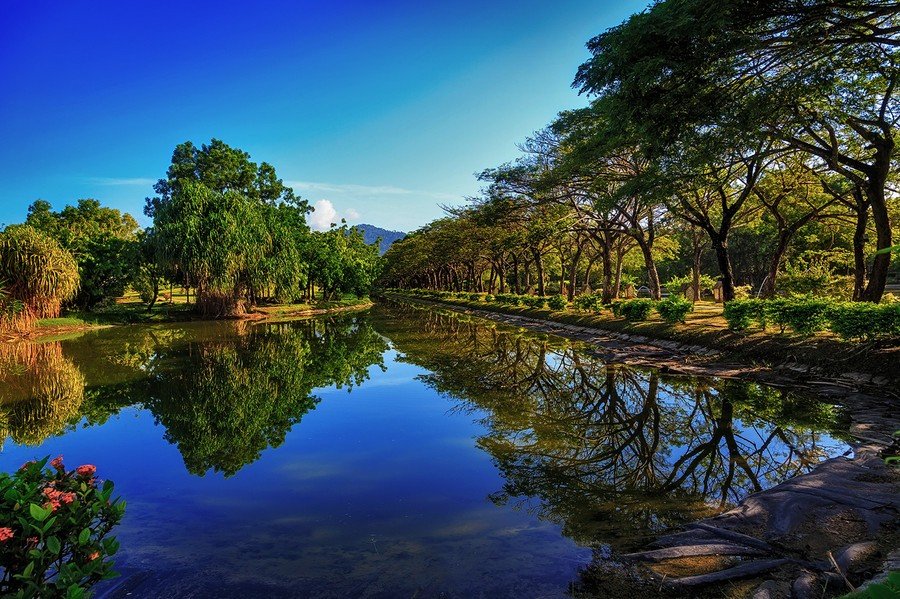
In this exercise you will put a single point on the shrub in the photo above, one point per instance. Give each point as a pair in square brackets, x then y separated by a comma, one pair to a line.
[864, 320]
[489, 298]
[636, 309]
[534, 301]
[589, 302]
[54, 527]
[674, 309]
[557, 302]
[616, 308]
[739, 314]
[805, 315]
[474, 297]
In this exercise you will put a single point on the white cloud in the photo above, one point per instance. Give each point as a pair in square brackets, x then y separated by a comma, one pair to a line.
[323, 215]
[351, 214]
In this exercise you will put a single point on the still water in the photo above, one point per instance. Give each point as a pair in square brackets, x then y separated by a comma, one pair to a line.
[401, 452]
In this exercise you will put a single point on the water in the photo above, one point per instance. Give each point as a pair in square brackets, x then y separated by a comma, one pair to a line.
[401, 452]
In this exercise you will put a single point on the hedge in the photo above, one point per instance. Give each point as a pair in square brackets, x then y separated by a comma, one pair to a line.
[807, 315]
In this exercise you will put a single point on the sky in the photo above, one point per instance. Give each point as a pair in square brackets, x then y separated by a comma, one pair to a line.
[376, 112]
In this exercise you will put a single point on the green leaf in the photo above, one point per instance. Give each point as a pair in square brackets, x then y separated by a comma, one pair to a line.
[84, 536]
[26, 573]
[38, 513]
[54, 545]
[74, 592]
[880, 591]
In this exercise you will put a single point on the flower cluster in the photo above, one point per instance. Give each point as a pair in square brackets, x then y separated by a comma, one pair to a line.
[54, 529]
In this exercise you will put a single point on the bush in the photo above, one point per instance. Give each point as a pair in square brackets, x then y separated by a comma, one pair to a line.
[474, 297]
[557, 302]
[805, 315]
[674, 309]
[509, 298]
[636, 309]
[534, 301]
[489, 298]
[863, 320]
[589, 302]
[739, 314]
[53, 530]
[616, 308]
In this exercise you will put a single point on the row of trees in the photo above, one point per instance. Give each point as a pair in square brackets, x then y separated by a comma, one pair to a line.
[738, 138]
[223, 226]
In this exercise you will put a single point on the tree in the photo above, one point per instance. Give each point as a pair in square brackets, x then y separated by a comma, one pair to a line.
[104, 242]
[36, 276]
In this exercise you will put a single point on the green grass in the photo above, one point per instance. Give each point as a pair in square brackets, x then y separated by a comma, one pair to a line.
[129, 309]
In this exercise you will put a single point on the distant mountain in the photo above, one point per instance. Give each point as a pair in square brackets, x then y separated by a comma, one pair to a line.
[371, 233]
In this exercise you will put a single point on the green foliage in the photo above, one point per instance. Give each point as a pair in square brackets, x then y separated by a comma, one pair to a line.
[474, 297]
[557, 302]
[807, 315]
[864, 320]
[677, 284]
[103, 241]
[888, 589]
[674, 309]
[589, 302]
[54, 530]
[37, 275]
[739, 314]
[509, 298]
[634, 310]
[814, 277]
[534, 301]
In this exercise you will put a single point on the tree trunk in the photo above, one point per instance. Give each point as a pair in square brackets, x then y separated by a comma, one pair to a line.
[768, 287]
[539, 265]
[516, 283]
[720, 245]
[877, 280]
[650, 264]
[859, 245]
[606, 259]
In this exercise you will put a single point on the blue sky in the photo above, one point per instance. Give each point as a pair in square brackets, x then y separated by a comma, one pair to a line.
[384, 109]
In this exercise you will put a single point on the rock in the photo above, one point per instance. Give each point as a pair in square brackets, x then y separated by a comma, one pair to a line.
[852, 555]
[772, 590]
[806, 586]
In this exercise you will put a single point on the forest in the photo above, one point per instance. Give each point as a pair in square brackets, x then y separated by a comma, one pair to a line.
[224, 228]
[745, 145]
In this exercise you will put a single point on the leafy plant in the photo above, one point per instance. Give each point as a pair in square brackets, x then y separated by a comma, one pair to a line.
[636, 309]
[674, 309]
[592, 302]
[557, 302]
[534, 301]
[54, 527]
[889, 589]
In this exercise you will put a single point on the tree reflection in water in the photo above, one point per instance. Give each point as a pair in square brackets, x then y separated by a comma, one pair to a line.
[224, 393]
[613, 453]
[41, 392]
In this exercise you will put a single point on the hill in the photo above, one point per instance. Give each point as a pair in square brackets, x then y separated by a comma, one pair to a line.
[372, 233]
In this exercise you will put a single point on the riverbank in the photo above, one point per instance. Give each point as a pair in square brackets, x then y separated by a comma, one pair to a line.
[706, 337]
[133, 312]
[779, 542]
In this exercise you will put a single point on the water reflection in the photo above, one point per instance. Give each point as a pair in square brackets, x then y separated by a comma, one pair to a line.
[614, 453]
[42, 391]
[223, 395]
[538, 457]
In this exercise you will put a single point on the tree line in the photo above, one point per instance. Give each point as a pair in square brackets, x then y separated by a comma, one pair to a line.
[747, 141]
[223, 227]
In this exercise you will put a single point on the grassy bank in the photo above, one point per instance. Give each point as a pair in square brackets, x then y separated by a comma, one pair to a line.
[129, 309]
[706, 327]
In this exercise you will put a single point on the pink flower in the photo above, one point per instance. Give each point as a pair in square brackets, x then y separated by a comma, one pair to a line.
[93, 555]
[57, 463]
[5, 534]
[86, 470]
